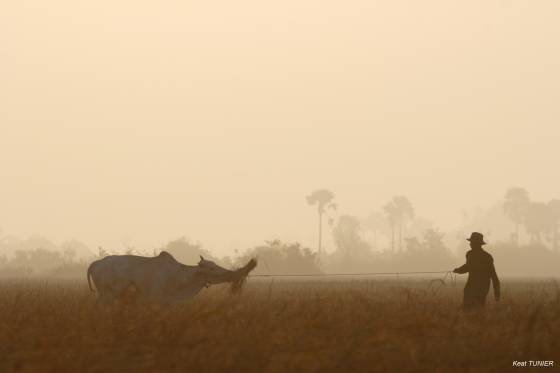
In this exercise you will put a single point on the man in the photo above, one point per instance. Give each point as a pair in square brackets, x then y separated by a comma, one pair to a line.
[480, 266]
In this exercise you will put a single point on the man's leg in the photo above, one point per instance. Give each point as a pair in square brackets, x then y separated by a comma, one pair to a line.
[472, 301]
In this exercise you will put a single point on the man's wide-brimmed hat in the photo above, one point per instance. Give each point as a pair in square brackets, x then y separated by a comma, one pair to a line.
[476, 238]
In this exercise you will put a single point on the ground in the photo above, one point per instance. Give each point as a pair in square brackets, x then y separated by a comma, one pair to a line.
[359, 325]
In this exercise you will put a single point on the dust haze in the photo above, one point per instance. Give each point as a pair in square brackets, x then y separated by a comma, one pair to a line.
[133, 124]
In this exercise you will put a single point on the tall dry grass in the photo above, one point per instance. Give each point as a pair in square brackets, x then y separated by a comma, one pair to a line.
[281, 326]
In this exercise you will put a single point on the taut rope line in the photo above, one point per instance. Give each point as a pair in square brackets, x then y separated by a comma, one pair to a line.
[353, 274]
[447, 274]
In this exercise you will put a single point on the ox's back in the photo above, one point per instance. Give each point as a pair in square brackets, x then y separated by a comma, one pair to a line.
[113, 274]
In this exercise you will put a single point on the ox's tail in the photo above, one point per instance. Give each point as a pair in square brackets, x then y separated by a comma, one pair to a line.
[90, 269]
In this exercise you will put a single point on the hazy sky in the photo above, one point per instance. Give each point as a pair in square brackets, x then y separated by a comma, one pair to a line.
[135, 122]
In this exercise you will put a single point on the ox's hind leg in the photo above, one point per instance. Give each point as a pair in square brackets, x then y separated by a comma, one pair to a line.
[108, 293]
[105, 296]
[123, 294]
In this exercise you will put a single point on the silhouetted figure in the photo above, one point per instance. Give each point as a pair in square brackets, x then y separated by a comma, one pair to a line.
[480, 266]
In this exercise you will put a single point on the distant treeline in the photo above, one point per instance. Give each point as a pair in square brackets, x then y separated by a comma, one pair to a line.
[352, 255]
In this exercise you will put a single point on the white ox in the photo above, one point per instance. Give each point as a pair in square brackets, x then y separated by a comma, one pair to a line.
[160, 279]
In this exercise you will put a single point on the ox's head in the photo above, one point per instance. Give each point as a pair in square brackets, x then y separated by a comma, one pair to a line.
[212, 273]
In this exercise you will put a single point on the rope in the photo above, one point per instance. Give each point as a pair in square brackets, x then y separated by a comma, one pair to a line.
[448, 274]
[356, 274]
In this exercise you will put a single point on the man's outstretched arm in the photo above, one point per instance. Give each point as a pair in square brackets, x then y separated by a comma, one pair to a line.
[464, 268]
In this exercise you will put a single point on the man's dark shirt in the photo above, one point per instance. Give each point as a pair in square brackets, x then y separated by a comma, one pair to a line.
[480, 266]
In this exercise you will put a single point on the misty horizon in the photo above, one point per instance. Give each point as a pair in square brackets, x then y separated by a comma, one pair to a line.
[499, 229]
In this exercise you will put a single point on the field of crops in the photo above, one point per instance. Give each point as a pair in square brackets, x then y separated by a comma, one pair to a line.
[360, 325]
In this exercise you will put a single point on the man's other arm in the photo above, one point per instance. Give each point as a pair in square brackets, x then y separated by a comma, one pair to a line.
[495, 281]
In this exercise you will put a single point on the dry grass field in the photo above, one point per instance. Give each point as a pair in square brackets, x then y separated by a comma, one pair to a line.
[360, 325]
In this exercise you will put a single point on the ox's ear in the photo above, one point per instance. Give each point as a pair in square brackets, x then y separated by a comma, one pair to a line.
[201, 258]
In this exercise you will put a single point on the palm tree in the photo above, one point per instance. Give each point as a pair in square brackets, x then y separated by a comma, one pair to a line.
[323, 199]
[391, 212]
[537, 221]
[405, 213]
[398, 211]
[376, 223]
[516, 205]
[554, 211]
